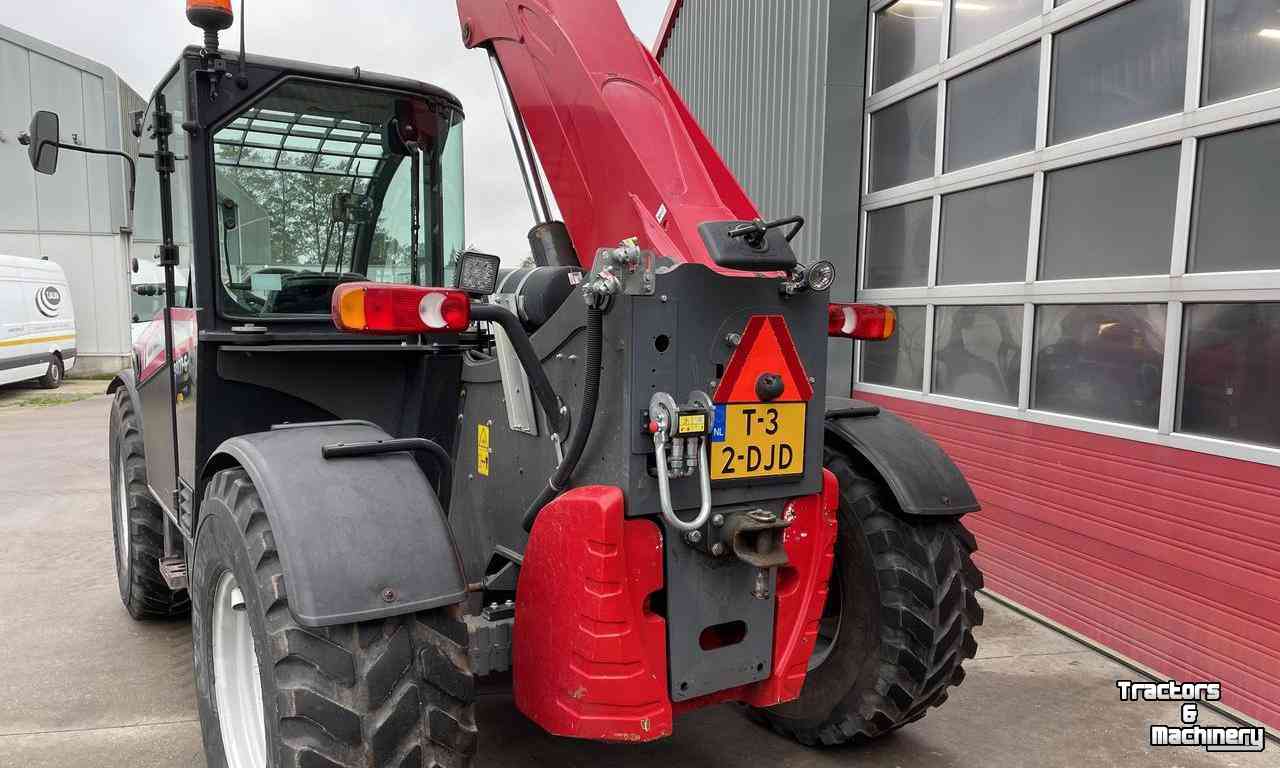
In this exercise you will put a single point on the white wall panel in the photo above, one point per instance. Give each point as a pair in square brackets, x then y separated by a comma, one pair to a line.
[63, 197]
[18, 192]
[98, 167]
[73, 217]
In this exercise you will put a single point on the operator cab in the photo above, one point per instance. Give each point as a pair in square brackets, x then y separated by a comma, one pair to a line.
[319, 184]
[264, 184]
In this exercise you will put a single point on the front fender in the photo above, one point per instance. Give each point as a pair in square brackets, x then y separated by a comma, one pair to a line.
[359, 538]
[919, 473]
[128, 382]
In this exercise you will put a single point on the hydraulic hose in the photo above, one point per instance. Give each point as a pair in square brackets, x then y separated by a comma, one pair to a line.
[538, 381]
[587, 415]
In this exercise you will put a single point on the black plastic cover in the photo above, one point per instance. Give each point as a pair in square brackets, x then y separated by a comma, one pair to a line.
[773, 255]
[919, 473]
[539, 291]
[359, 538]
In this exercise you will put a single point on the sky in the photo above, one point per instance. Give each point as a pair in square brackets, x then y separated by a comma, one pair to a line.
[420, 39]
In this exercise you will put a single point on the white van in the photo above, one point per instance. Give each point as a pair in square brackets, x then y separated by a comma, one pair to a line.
[37, 322]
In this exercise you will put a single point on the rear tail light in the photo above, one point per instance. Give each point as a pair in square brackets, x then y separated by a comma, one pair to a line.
[399, 309]
[869, 322]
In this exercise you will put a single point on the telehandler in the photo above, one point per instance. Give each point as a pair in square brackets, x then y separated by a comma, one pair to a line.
[378, 468]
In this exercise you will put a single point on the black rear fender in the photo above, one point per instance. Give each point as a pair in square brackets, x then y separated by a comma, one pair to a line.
[917, 471]
[359, 538]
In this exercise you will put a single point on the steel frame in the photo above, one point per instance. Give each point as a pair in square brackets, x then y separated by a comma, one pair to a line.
[1175, 289]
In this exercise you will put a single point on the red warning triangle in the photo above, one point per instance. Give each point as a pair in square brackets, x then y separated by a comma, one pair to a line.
[766, 347]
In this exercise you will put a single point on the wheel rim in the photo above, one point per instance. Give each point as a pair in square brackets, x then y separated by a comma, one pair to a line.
[237, 688]
[55, 372]
[122, 518]
[829, 626]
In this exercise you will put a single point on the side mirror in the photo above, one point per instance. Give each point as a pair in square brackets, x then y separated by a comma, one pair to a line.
[42, 141]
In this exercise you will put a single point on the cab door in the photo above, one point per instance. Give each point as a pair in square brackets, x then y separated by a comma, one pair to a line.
[165, 380]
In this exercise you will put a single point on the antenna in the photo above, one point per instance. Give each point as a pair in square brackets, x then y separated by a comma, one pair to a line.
[242, 81]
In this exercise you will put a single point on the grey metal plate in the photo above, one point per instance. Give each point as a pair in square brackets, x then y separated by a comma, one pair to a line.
[714, 591]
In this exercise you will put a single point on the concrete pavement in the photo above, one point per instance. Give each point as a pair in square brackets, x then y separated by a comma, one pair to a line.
[83, 685]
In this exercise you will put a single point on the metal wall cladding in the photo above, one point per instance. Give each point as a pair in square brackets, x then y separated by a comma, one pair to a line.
[75, 216]
[754, 74]
[779, 86]
[1166, 556]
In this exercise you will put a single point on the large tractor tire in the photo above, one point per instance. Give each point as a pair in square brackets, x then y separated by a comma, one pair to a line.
[899, 619]
[272, 693]
[137, 522]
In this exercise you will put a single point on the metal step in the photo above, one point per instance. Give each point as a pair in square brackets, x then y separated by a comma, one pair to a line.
[174, 571]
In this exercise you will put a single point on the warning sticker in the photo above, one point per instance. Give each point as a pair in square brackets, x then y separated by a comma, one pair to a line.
[692, 424]
[482, 449]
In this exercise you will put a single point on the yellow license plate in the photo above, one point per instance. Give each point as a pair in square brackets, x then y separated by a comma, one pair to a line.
[750, 440]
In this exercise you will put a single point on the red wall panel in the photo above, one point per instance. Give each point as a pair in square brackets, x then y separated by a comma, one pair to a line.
[1169, 557]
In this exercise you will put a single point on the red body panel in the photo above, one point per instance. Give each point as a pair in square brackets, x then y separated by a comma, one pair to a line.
[668, 24]
[614, 138]
[590, 659]
[1169, 557]
[149, 347]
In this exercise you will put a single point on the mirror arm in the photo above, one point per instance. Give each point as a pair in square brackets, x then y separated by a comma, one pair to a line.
[133, 168]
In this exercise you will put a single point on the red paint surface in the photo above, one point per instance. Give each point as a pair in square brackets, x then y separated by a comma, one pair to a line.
[766, 347]
[149, 348]
[1169, 557]
[668, 24]
[589, 660]
[615, 139]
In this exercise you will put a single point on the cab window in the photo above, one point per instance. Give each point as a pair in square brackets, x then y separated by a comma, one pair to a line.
[317, 185]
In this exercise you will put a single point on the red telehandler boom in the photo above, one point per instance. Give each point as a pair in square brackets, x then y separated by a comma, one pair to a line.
[623, 155]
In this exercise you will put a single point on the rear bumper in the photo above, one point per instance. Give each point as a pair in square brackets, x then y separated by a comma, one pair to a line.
[590, 653]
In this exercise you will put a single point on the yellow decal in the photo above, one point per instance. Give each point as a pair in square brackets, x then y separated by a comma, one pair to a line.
[482, 449]
[692, 423]
[36, 340]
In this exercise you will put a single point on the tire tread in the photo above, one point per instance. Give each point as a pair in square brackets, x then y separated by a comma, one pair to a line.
[927, 583]
[149, 596]
[362, 694]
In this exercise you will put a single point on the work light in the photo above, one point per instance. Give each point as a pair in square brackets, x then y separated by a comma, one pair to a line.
[477, 273]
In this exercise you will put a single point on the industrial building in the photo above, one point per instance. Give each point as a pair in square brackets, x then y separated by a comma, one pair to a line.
[78, 217]
[1072, 206]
